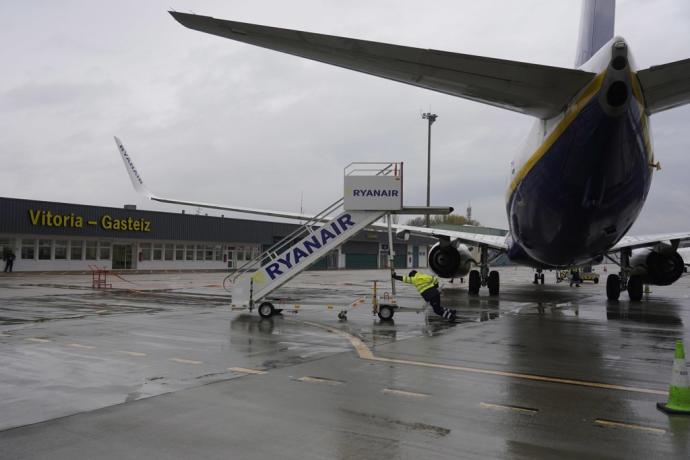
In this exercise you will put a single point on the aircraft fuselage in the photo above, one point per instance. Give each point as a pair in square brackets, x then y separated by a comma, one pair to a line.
[584, 175]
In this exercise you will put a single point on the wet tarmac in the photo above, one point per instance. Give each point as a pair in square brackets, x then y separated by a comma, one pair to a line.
[158, 367]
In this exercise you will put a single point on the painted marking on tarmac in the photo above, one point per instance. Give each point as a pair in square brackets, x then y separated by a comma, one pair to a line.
[614, 424]
[362, 350]
[36, 339]
[365, 353]
[407, 394]
[524, 410]
[243, 370]
[78, 345]
[185, 361]
[131, 353]
[320, 380]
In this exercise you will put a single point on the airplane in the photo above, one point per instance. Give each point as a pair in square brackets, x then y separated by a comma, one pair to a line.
[584, 173]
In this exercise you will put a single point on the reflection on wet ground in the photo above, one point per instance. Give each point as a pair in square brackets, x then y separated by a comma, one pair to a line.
[66, 349]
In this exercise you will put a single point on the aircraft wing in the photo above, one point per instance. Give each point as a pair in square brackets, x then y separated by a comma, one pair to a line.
[635, 242]
[139, 186]
[665, 86]
[473, 239]
[532, 89]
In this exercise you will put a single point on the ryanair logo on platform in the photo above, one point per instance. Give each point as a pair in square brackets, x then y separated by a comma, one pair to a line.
[368, 192]
[305, 248]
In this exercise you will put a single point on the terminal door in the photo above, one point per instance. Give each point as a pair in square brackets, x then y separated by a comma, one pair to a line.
[122, 256]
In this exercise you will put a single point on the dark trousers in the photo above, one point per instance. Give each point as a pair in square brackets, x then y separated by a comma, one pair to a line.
[434, 298]
[8, 265]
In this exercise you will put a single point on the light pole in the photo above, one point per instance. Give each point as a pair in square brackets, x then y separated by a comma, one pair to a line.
[432, 118]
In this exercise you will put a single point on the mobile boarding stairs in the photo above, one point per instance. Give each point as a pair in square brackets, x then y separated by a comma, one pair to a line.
[371, 191]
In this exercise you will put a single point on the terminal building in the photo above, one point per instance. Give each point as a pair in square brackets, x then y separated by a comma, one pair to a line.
[49, 236]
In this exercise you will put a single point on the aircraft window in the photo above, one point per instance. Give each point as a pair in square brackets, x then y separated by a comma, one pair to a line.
[104, 250]
[169, 249]
[158, 251]
[145, 251]
[44, 249]
[91, 247]
[76, 249]
[29, 249]
[60, 249]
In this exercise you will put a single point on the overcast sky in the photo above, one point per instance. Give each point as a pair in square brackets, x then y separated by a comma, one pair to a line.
[213, 120]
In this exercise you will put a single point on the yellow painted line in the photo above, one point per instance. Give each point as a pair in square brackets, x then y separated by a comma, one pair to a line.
[185, 361]
[526, 410]
[131, 353]
[408, 394]
[362, 350]
[243, 370]
[320, 380]
[613, 424]
[36, 339]
[78, 345]
[517, 375]
[365, 353]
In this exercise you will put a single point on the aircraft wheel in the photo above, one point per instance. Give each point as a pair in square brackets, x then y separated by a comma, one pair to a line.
[635, 288]
[266, 310]
[596, 280]
[613, 287]
[386, 313]
[494, 283]
[474, 283]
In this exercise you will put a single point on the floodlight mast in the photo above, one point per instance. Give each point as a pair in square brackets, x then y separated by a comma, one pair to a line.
[432, 118]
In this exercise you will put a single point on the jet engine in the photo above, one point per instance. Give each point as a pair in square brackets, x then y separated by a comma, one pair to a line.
[655, 266]
[450, 260]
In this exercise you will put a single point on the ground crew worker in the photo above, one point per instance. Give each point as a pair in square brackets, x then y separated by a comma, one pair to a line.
[427, 285]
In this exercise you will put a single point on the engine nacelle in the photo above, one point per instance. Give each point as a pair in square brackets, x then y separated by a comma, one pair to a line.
[450, 260]
[657, 267]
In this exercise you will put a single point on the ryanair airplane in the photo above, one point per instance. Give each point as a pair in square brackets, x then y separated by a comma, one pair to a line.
[584, 174]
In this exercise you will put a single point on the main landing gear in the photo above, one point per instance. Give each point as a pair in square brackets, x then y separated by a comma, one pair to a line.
[539, 276]
[616, 283]
[484, 277]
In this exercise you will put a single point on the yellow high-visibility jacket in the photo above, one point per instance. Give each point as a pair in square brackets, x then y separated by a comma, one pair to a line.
[421, 281]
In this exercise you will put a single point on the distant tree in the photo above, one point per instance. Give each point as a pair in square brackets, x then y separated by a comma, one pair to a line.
[449, 219]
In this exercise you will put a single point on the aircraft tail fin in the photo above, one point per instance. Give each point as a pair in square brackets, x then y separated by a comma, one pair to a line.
[134, 176]
[596, 28]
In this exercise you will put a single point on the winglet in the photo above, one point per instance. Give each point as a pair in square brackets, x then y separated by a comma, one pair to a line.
[134, 176]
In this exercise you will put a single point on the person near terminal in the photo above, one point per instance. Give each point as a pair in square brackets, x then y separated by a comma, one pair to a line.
[575, 277]
[427, 285]
[9, 260]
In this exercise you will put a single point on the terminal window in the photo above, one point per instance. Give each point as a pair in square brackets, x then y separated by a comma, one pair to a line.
[91, 248]
[158, 251]
[199, 252]
[145, 251]
[44, 249]
[179, 252]
[190, 252]
[104, 250]
[29, 249]
[75, 249]
[60, 249]
[169, 251]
